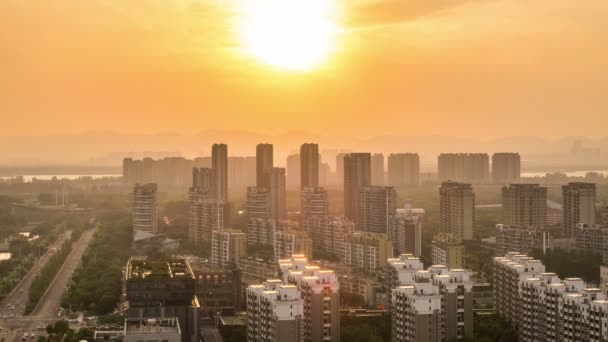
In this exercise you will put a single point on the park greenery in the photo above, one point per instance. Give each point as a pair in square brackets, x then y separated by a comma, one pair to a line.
[571, 264]
[365, 329]
[96, 284]
[61, 332]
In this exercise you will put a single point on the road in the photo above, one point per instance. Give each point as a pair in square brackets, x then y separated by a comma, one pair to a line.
[19, 295]
[46, 310]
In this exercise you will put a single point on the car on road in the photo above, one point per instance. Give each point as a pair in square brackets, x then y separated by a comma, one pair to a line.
[12, 315]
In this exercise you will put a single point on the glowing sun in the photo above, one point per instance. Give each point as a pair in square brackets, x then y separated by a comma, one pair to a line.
[293, 35]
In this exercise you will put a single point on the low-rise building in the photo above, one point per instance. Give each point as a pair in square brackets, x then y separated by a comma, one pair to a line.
[152, 329]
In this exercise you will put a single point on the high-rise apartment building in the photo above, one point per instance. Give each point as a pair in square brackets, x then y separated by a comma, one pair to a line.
[377, 162]
[521, 239]
[205, 212]
[431, 305]
[278, 207]
[544, 307]
[464, 167]
[258, 203]
[261, 231]
[447, 250]
[367, 252]
[604, 213]
[524, 205]
[293, 171]
[377, 204]
[202, 180]
[227, 247]
[219, 165]
[274, 312]
[405, 231]
[127, 171]
[403, 169]
[325, 176]
[328, 233]
[309, 165]
[357, 175]
[457, 207]
[320, 293]
[144, 208]
[506, 168]
[314, 202]
[169, 172]
[163, 289]
[203, 162]
[579, 205]
[205, 216]
[264, 165]
[340, 169]
[291, 242]
[241, 173]
[592, 239]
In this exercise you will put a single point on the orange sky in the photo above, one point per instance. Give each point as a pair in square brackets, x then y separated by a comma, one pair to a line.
[478, 68]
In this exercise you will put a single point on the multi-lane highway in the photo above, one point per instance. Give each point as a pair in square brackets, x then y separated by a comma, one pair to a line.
[47, 308]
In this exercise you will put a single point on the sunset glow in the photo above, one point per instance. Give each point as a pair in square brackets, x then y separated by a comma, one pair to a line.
[288, 34]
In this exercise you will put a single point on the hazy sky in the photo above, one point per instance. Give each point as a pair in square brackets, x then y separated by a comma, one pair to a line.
[401, 67]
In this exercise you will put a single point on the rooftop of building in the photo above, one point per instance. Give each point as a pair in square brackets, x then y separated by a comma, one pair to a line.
[143, 269]
[152, 325]
[234, 320]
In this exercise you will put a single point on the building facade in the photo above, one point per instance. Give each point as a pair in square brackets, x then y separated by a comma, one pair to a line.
[227, 247]
[447, 250]
[579, 205]
[464, 167]
[278, 209]
[160, 289]
[320, 292]
[431, 305]
[403, 169]
[309, 165]
[292, 242]
[264, 164]
[405, 231]
[506, 168]
[357, 175]
[314, 203]
[545, 307]
[524, 205]
[274, 312]
[377, 163]
[377, 204]
[457, 210]
[521, 239]
[219, 165]
[367, 252]
[145, 216]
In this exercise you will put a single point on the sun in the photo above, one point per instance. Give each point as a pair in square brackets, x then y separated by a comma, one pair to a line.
[295, 35]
